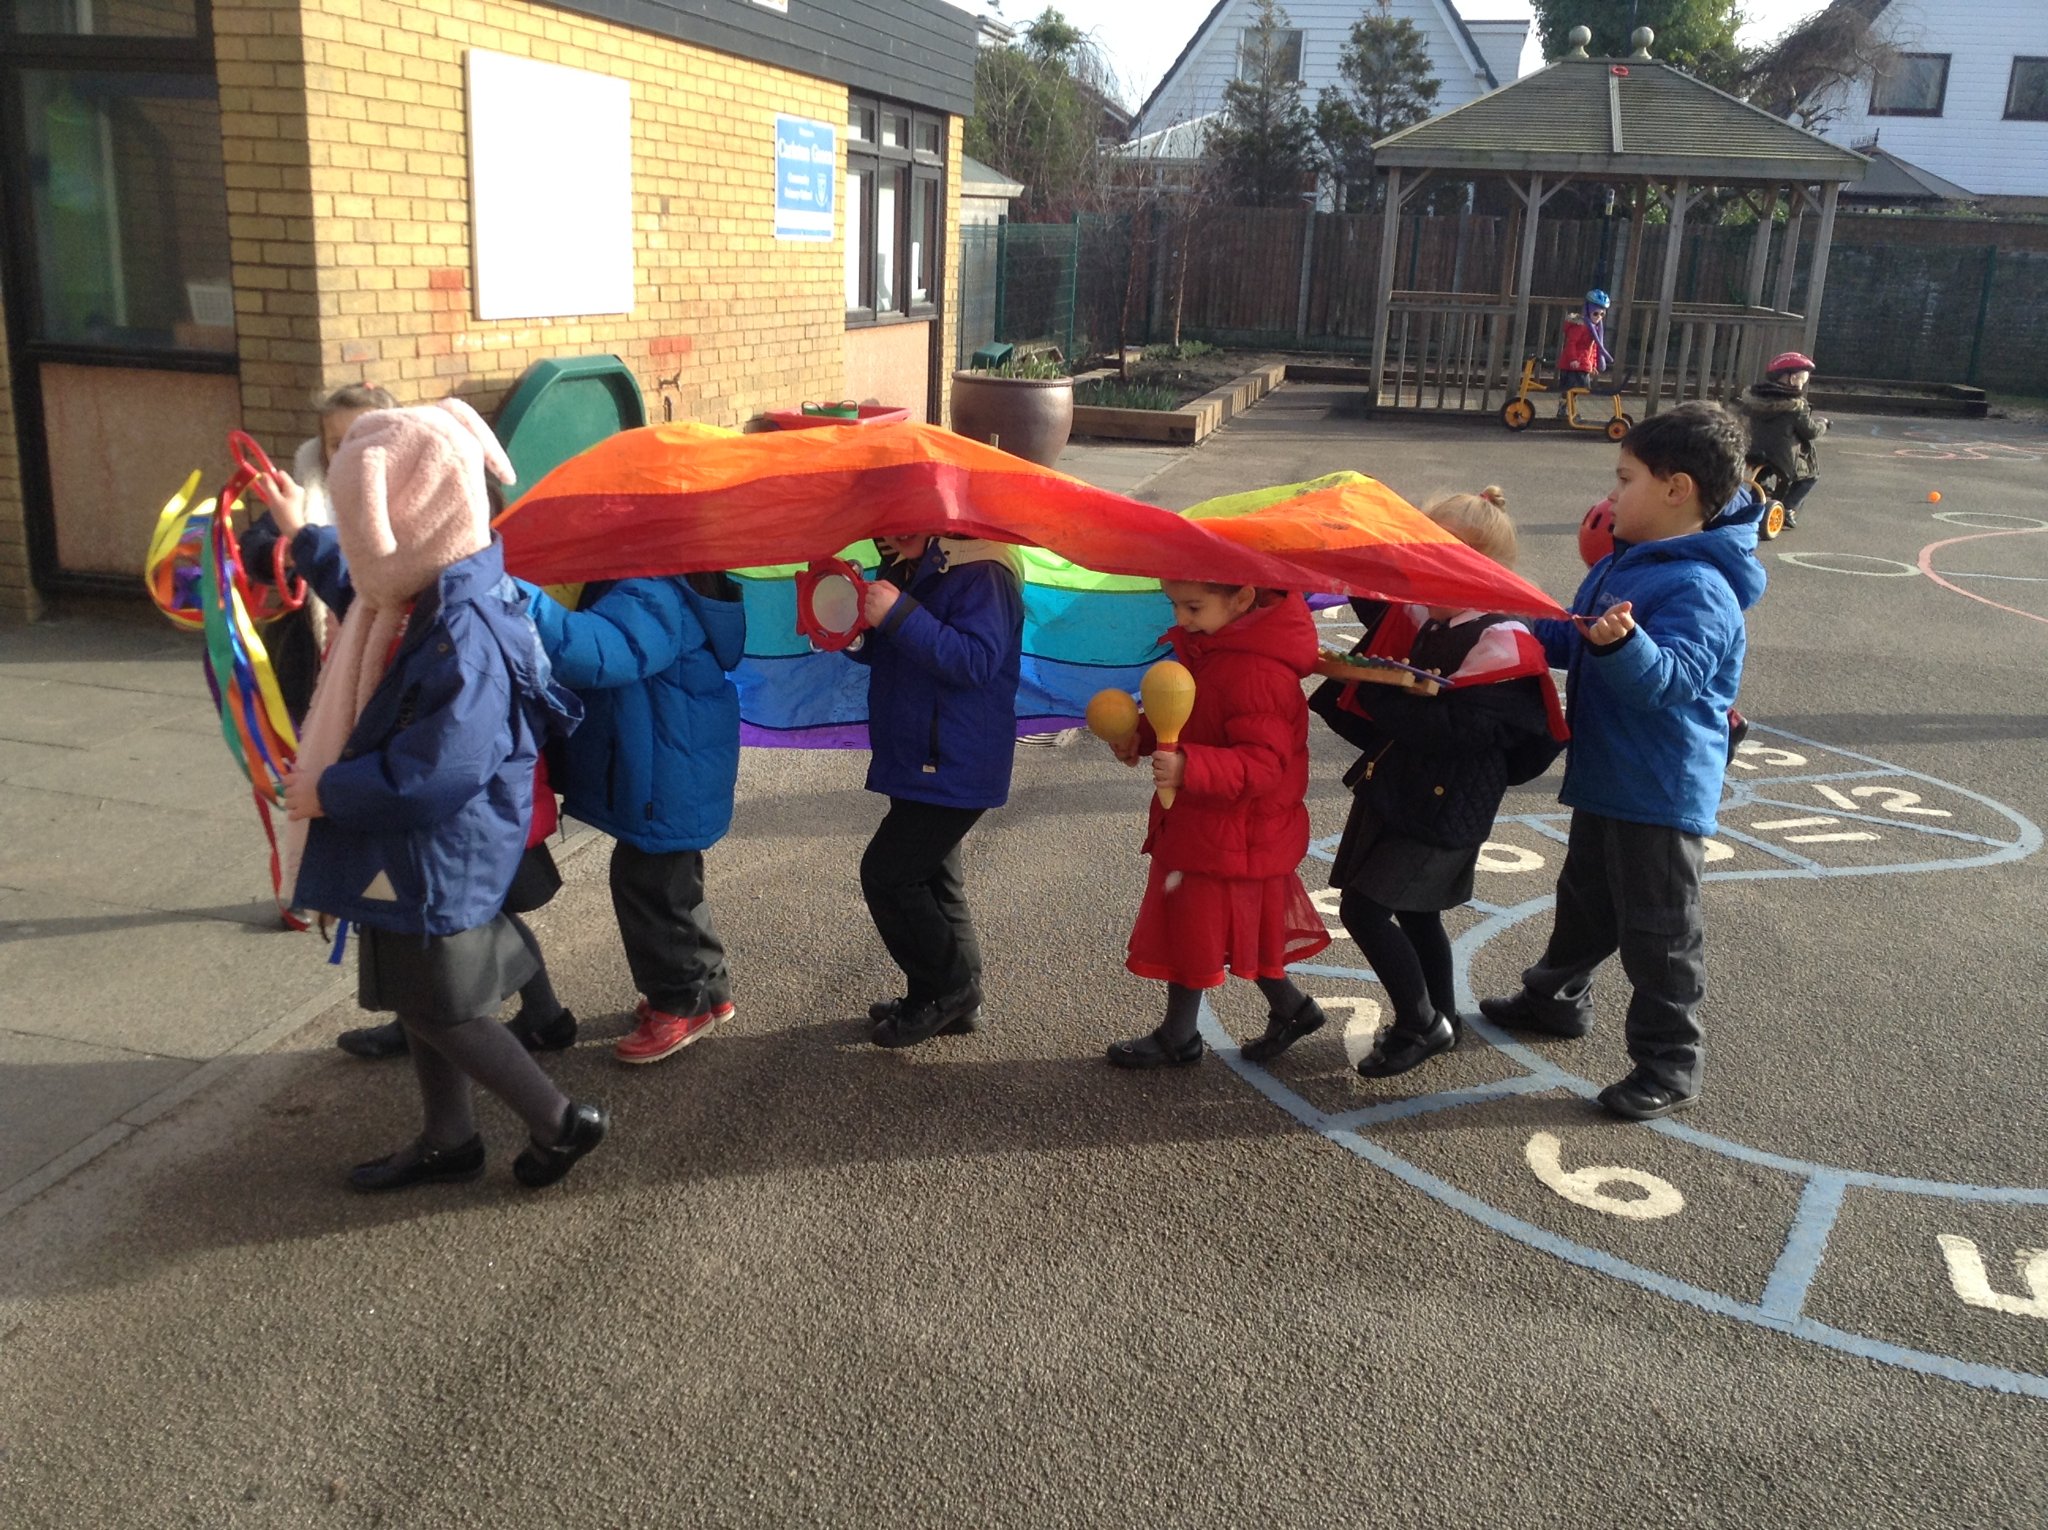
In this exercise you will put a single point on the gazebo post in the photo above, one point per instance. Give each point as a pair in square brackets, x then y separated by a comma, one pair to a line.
[1788, 251]
[1390, 249]
[1817, 279]
[1760, 247]
[1625, 293]
[1526, 271]
[1667, 292]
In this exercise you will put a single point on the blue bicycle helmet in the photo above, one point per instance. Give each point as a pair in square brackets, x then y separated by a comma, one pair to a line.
[1597, 299]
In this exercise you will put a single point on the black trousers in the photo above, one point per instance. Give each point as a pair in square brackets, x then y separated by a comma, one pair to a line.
[672, 946]
[910, 877]
[1632, 888]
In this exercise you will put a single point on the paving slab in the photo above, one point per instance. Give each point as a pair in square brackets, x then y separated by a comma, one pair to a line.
[58, 1092]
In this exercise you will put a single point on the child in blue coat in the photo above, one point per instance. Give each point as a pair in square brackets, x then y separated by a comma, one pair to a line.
[1654, 649]
[944, 655]
[654, 765]
[413, 787]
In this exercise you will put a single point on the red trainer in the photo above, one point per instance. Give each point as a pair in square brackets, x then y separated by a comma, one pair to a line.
[660, 1034]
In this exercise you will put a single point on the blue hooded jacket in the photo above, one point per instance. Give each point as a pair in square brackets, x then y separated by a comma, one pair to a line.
[1649, 717]
[658, 755]
[426, 810]
[943, 671]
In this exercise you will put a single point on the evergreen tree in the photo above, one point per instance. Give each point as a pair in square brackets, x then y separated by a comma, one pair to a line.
[1388, 85]
[1696, 35]
[1259, 151]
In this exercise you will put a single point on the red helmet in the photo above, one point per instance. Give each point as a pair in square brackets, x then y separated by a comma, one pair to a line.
[1789, 361]
[1596, 532]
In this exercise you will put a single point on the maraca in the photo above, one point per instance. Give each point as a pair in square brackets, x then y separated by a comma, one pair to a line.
[1112, 716]
[1169, 692]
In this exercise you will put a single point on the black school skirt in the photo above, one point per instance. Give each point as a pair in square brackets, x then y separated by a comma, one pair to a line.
[1398, 872]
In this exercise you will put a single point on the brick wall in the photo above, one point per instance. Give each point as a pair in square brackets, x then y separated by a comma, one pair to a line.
[355, 264]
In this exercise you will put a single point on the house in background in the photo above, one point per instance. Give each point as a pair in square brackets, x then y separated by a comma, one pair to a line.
[1469, 58]
[1965, 96]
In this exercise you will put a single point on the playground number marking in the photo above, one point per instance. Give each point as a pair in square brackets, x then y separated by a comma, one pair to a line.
[1970, 1281]
[1923, 824]
[1587, 1187]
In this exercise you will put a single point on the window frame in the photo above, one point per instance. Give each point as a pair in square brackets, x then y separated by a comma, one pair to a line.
[2012, 88]
[1245, 34]
[908, 167]
[1877, 85]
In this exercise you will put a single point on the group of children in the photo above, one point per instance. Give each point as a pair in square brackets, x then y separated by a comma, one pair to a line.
[456, 701]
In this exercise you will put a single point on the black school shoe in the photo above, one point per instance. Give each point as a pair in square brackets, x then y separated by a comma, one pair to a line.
[910, 1024]
[425, 1166]
[1525, 1012]
[1642, 1097]
[1280, 1034]
[886, 1011]
[375, 1042]
[557, 1035]
[1400, 1049]
[1154, 1051]
[583, 1128]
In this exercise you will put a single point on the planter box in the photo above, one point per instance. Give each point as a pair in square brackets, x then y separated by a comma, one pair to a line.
[1188, 425]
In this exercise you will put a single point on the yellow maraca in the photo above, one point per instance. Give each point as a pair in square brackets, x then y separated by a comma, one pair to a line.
[1169, 692]
[1112, 716]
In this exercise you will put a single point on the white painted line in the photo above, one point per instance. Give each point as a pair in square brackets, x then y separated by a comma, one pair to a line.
[1893, 568]
[1975, 519]
[1826, 839]
[1792, 823]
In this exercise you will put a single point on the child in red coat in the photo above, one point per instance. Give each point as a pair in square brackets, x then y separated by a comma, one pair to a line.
[1225, 893]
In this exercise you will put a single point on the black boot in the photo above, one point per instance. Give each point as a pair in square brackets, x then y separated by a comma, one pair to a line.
[907, 1024]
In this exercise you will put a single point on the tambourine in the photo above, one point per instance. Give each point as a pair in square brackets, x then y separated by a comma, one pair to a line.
[286, 591]
[830, 610]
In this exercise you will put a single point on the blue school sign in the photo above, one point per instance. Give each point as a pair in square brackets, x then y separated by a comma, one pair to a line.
[806, 163]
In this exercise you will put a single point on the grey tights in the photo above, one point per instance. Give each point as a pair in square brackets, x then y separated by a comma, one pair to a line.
[448, 1058]
[1184, 1007]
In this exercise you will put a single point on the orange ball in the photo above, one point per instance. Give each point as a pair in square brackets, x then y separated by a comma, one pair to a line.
[1934, 496]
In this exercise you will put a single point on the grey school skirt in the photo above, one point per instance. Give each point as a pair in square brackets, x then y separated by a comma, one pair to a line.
[442, 980]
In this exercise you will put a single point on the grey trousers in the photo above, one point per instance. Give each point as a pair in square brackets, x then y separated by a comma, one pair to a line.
[1632, 888]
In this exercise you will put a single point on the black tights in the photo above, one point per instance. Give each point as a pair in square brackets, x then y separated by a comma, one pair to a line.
[1184, 1006]
[1411, 958]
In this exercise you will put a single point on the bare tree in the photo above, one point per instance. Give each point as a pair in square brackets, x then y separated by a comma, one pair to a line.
[1801, 77]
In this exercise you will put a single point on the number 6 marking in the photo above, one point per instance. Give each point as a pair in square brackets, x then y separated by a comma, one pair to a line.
[1584, 1187]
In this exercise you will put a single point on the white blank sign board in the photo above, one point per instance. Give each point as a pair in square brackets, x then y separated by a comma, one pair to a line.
[551, 189]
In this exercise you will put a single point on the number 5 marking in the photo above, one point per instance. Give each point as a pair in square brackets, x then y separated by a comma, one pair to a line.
[1750, 756]
[1966, 1275]
[1585, 1187]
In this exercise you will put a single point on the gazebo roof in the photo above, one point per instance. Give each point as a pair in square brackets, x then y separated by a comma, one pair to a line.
[1892, 179]
[1618, 119]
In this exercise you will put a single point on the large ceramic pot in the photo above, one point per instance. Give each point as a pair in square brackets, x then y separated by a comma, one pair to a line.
[1028, 417]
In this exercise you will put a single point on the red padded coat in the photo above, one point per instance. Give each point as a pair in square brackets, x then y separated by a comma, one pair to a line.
[1240, 812]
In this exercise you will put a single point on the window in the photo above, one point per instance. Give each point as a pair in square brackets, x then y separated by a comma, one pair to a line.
[127, 202]
[1286, 49]
[85, 18]
[2026, 99]
[1914, 86]
[895, 211]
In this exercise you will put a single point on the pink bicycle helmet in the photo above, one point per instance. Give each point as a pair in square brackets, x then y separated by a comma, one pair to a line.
[1789, 361]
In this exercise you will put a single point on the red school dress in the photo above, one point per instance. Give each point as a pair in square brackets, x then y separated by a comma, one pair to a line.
[1225, 892]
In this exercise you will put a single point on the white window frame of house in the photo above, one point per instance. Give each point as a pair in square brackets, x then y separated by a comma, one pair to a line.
[2012, 90]
[1245, 36]
[1878, 106]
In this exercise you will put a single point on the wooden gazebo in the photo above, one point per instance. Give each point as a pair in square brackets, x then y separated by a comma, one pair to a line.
[1662, 137]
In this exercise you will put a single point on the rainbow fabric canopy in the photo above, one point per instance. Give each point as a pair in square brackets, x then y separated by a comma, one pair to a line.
[679, 498]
